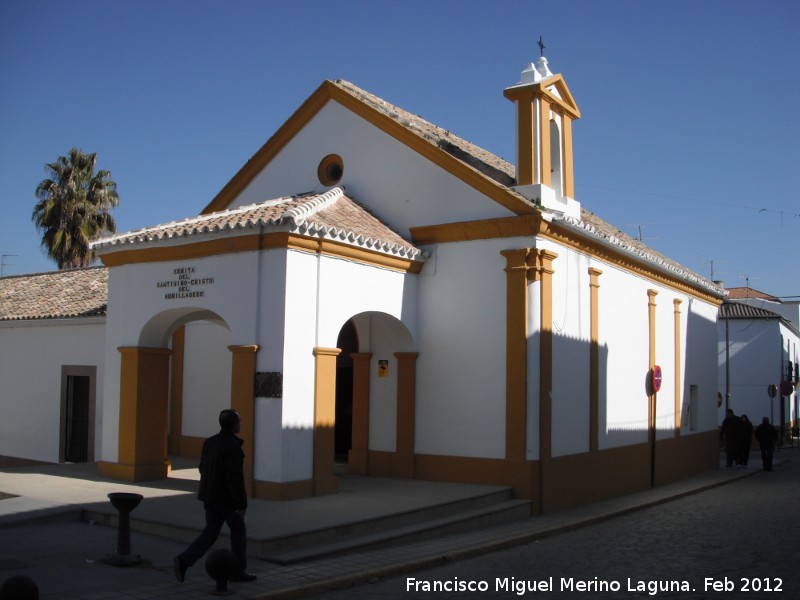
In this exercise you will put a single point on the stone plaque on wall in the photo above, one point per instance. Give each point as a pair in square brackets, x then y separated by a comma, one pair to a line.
[269, 385]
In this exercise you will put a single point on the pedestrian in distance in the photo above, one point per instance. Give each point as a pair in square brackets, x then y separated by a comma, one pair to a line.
[767, 438]
[746, 441]
[730, 431]
[223, 495]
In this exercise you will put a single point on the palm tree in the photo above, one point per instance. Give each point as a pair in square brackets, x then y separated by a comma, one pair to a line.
[73, 208]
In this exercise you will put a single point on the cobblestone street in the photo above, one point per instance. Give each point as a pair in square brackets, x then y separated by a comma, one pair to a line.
[733, 541]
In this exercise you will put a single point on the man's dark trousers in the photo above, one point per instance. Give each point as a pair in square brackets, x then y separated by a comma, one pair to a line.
[215, 517]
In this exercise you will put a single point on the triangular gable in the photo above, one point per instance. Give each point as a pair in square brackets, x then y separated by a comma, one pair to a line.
[564, 98]
[345, 94]
[554, 88]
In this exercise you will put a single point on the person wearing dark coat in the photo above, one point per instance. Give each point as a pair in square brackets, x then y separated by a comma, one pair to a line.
[731, 433]
[767, 438]
[746, 441]
[224, 498]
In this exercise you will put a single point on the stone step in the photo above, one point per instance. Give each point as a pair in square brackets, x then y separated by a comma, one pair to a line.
[457, 521]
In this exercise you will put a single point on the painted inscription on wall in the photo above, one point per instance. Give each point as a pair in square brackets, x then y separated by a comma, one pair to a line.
[185, 284]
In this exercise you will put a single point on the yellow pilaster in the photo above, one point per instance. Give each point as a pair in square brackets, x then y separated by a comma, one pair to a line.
[516, 352]
[243, 373]
[143, 400]
[325, 481]
[526, 125]
[652, 395]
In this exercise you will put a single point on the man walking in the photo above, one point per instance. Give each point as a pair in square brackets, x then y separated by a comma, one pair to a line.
[767, 437]
[731, 433]
[224, 498]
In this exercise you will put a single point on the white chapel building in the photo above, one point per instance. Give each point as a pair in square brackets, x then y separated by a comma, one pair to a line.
[371, 289]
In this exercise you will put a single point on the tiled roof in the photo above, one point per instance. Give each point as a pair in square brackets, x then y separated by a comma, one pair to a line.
[745, 293]
[737, 310]
[503, 172]
[487, 163]
[57, 295]
[331, 215]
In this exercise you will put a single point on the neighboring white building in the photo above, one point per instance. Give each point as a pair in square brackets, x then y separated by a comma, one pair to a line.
[52, 351]
[370, 287]
[759, 357]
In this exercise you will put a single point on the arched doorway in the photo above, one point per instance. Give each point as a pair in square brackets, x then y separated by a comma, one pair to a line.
[149, 374]
[347, 342]
[375, 396]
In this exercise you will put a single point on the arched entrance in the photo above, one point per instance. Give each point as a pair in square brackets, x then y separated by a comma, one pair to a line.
[375, 396]
[154, 379]
[343, 429]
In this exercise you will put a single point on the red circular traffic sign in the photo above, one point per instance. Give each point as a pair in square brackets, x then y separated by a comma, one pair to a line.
[657, 376]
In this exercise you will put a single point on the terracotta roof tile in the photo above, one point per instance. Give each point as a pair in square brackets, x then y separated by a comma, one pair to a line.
[744, 293]
[330, 215]
[57, 295]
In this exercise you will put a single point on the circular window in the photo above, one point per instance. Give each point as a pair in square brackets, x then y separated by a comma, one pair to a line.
[330, 169]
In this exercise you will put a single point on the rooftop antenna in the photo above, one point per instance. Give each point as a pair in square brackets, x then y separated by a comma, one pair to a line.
[541, 46]
[3, 263]
[711, 261]
[747, 279]
[639, 227]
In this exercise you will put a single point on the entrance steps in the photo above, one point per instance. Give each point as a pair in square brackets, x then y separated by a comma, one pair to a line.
[367, 513]
[484, 510]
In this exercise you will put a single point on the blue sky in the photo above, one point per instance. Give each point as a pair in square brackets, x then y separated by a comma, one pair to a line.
[689, 133]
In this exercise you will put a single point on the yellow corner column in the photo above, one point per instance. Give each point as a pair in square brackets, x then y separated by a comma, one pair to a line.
[243, 374]
[324, 479]
[143, 415]
[544, 274]
[516, 352]
[358, 458]
[652, 395]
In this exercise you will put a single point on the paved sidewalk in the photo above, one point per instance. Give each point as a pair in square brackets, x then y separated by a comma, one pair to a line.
[42, 536]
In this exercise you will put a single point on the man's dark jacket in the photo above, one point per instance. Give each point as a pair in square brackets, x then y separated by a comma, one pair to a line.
[222, 472]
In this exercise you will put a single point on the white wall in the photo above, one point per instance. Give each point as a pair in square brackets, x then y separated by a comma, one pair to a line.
[461, 367]
[206, 377]
[30, 381]
[571, 349]
[401, 187]
[758, 355]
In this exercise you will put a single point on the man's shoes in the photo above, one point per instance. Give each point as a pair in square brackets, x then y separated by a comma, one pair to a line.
[179, 567]
[243, 576]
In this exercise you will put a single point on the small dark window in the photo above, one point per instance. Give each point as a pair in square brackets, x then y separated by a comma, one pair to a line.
[330, 170]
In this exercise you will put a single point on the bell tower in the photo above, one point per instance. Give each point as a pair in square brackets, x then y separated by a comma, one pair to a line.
[545, 112]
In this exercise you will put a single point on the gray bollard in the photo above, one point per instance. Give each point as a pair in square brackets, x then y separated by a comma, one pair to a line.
[221, 564]
[19, 587]
[124, 502]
